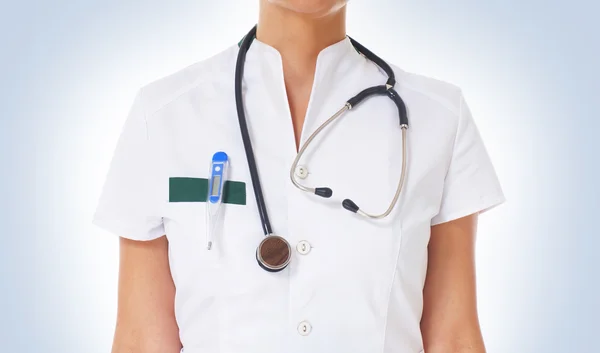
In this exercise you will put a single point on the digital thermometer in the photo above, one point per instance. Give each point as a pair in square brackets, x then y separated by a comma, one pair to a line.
[218, 174]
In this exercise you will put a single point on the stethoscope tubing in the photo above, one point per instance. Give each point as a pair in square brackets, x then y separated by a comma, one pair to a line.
[387, 89]
[239, 74]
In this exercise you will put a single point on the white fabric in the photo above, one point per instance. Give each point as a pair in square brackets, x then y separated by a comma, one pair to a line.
[360, 287]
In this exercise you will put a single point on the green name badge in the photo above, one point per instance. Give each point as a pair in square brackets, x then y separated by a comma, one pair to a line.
[183, 189]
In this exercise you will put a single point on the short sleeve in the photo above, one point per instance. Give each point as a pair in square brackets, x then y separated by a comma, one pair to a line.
[471, 184]
[127, 205]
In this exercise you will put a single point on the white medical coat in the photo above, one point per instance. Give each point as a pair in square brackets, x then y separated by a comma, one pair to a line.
[353, 285]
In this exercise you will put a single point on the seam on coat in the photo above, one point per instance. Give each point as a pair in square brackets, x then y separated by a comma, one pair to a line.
[391, 288]
[143, 104]
[209, 66]
[459, 121]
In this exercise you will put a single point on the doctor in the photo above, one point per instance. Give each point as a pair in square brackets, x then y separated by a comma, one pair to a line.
[393, 276]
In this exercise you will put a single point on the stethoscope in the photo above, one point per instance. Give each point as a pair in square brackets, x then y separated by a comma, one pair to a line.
[274, 252]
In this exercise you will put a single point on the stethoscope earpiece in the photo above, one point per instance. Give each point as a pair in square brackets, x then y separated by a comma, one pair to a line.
[324, 192]
[350, 205]
[273, 253]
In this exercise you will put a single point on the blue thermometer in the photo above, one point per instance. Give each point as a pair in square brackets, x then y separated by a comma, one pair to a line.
[218, 174]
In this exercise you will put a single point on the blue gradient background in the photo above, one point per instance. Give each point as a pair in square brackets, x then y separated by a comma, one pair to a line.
[69, 71]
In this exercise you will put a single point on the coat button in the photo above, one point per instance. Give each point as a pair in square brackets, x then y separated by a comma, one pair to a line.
[304, 328]
[303, 247]
[301, 172]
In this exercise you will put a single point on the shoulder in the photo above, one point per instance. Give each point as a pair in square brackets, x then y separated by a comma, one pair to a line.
[430, 90]
[206, 73]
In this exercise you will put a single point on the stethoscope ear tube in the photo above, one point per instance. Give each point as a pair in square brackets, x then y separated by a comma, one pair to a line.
[353, 207]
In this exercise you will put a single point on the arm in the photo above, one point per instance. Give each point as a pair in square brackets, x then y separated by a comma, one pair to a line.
[450, 323]
[145, 316]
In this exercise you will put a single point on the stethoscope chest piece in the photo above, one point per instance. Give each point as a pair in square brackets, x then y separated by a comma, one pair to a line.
[273, 253]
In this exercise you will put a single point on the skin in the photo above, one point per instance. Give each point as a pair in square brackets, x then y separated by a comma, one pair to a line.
[450, 321]
[145, 314]
[299, 30]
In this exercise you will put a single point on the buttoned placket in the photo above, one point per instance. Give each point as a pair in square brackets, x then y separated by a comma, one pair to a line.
[302, 270]
[299, 235]
[300, 230]
[303, 208]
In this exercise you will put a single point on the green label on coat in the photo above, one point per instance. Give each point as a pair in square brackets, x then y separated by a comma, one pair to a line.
[182, 189]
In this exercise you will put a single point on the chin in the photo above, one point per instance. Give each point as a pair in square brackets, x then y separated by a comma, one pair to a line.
[311, 7]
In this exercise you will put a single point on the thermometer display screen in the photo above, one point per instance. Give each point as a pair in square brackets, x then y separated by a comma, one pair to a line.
[215, 185]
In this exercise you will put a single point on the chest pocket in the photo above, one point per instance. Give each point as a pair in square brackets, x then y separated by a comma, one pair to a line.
[224, 267]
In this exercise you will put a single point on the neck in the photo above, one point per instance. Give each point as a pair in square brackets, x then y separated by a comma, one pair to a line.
[299, 38]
